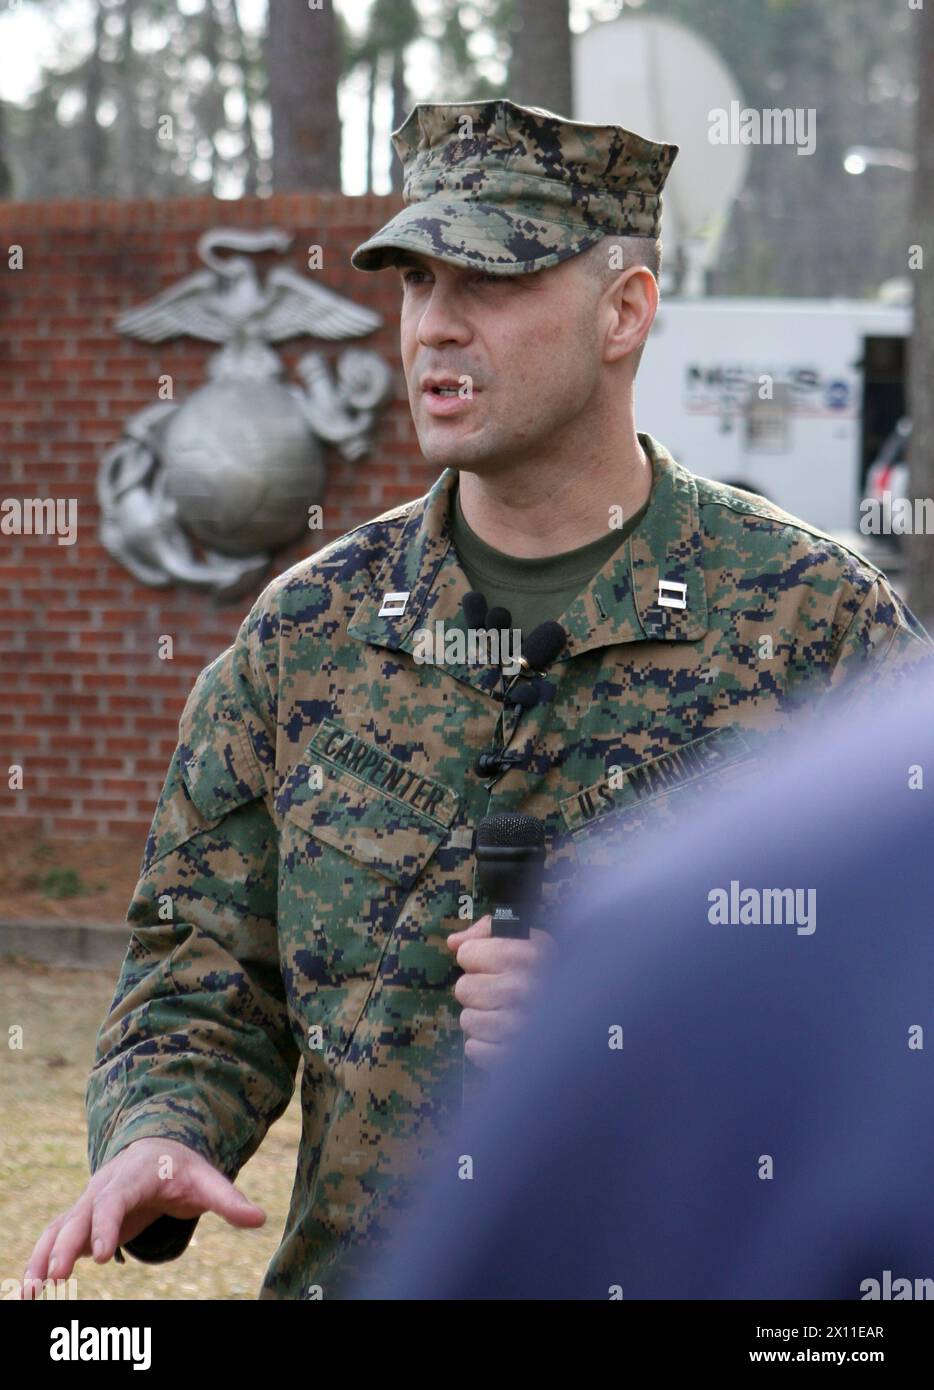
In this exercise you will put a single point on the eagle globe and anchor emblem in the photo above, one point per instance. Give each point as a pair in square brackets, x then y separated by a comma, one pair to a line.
[204, 492]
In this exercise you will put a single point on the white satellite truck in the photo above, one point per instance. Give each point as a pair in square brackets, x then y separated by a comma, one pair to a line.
[790, 398]
[793, 398]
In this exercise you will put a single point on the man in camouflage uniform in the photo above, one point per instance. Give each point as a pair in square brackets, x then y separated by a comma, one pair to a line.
[310, 868]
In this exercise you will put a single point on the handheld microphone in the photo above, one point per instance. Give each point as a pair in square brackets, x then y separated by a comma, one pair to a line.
[510, 850]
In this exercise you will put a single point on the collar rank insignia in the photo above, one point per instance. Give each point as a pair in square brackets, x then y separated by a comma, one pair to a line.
[393, 605]
[672, 594]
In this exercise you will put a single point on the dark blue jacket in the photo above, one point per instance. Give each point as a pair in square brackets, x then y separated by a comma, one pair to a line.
[639, 1169]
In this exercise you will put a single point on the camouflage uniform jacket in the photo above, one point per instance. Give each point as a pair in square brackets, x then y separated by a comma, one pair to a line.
[311, 849]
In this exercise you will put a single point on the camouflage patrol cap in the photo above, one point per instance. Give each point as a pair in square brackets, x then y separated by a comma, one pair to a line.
[508, 188]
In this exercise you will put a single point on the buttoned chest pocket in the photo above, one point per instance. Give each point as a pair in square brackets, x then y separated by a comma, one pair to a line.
[353, 858]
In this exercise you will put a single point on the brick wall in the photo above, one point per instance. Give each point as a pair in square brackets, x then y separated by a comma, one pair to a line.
[87, 708]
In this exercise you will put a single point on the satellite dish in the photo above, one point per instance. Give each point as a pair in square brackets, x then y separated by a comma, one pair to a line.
[660, 79]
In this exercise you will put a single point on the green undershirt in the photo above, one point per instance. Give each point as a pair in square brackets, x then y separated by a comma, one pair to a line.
[536, 589]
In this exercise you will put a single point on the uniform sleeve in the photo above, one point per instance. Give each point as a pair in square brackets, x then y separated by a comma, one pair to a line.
[883, 648]
[197, 1045]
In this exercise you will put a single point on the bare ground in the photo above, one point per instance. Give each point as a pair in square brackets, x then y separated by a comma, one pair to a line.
[43, 1153]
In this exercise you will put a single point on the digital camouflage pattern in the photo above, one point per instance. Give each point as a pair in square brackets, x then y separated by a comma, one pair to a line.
[513, 189]
[309, 913]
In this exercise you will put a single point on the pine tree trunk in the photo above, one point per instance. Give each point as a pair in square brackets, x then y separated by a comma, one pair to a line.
[400, 109]
[540, 70]
[7, 184]
[133, 174]
[303, 63]
[213, 101]
[92, 134]
[250, 178]
[371, 77]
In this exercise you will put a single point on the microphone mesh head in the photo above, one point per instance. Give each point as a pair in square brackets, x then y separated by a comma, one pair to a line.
[524, 695]
[499, 618]
[543, 644]
[511, 828]
[474, 606]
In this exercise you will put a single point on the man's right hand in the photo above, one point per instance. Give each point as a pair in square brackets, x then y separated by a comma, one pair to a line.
[128, 1194]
